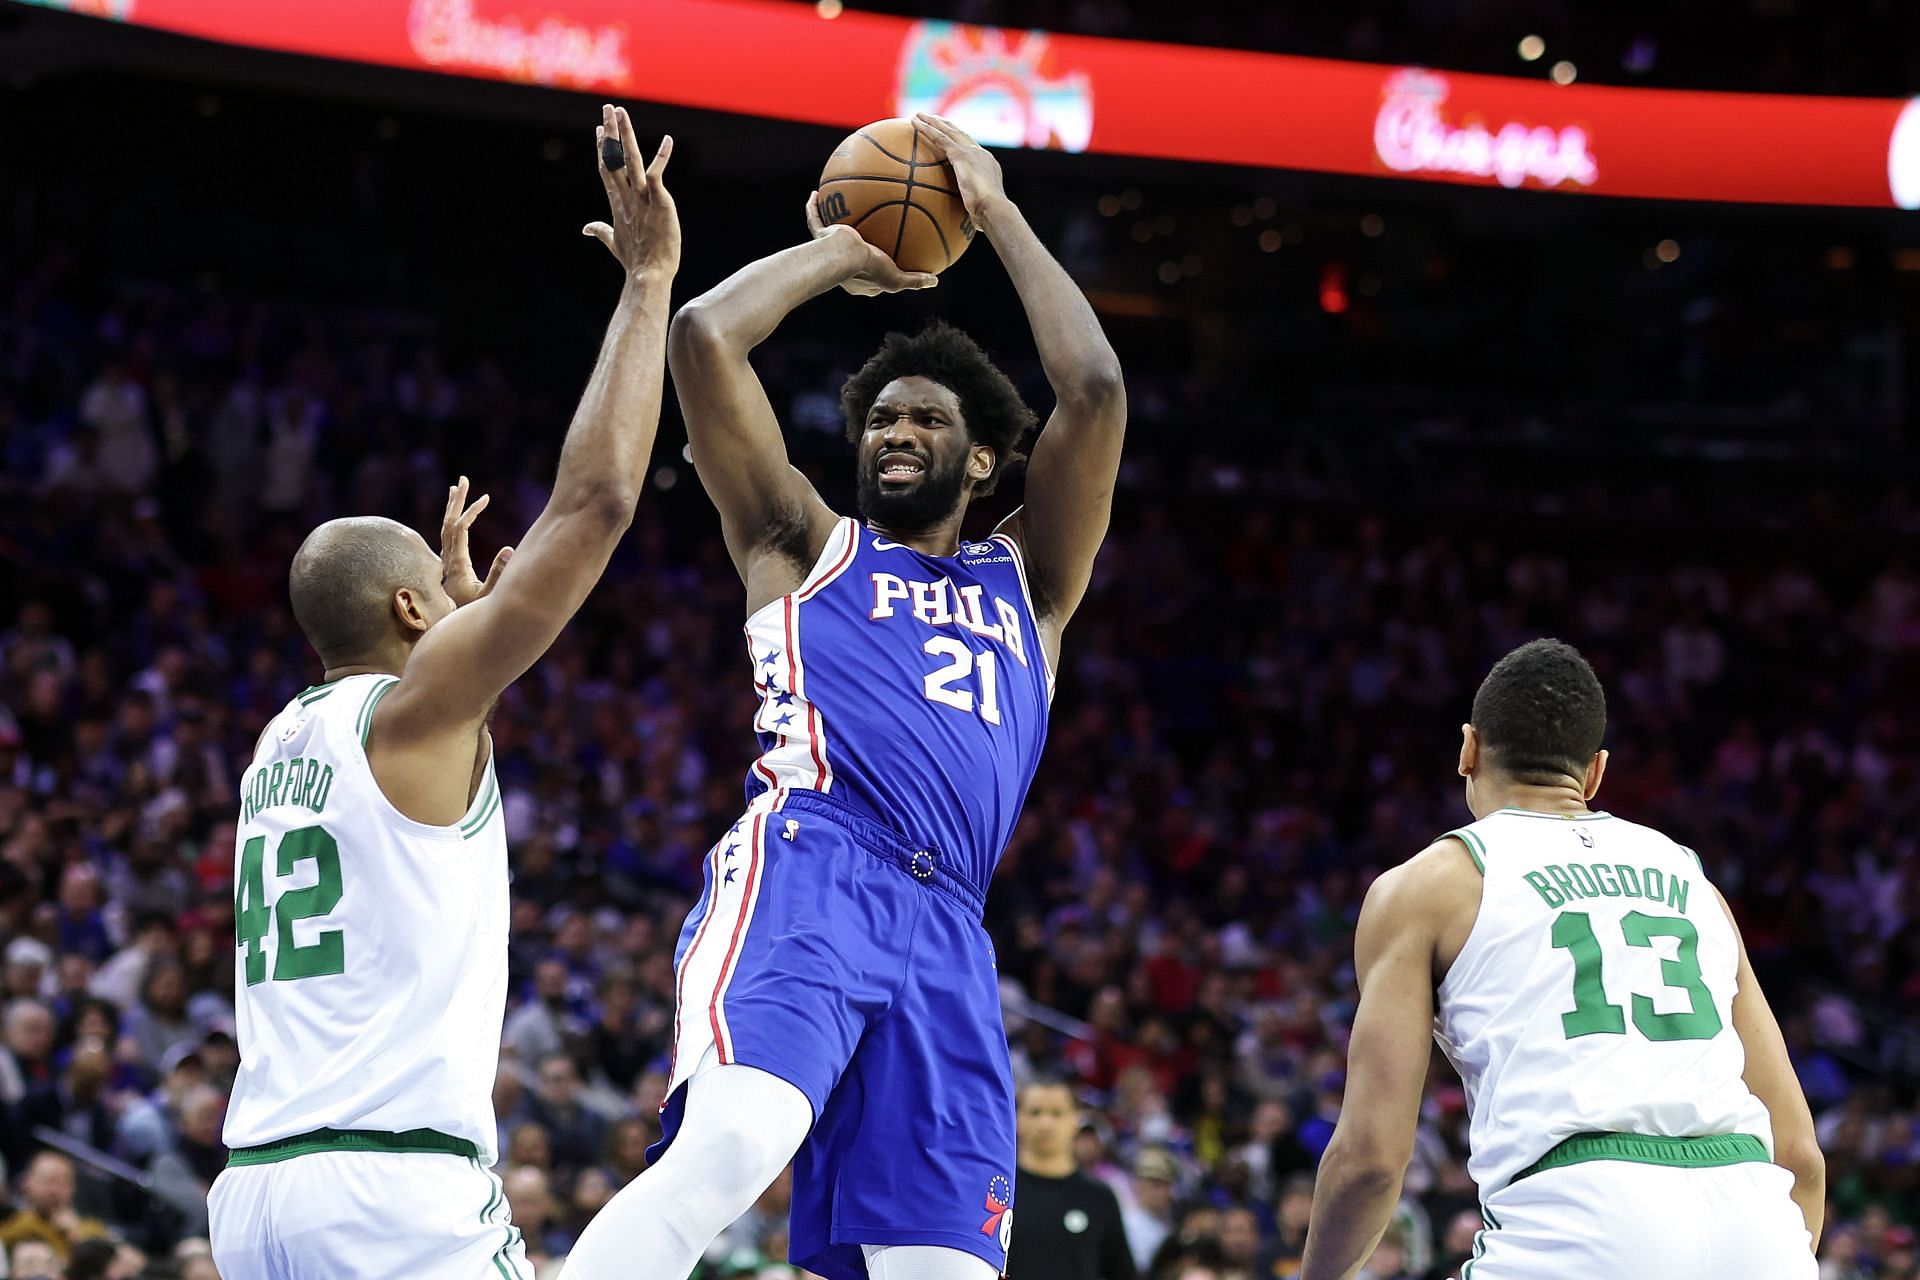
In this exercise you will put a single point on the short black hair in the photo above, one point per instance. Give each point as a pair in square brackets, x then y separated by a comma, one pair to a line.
[342, 584]
[1541, 713]
[995, 414]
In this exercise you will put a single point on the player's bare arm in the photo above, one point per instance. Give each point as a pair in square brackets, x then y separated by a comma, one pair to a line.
[1771, 1077]
[1070, 477]
[774, 523]
[1413, 922]
[507, 621]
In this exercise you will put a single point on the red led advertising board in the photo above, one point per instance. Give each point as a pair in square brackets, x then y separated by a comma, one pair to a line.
[1077, 93]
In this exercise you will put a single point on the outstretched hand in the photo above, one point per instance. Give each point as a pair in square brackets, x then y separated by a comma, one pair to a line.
[877, 273]
[982, 187]
[456, 559]
[643, 228]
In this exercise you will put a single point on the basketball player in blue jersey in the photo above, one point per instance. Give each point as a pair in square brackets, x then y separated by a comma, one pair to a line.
[838, 1005]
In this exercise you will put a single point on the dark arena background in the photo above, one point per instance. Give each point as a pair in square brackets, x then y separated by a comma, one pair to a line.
[1388, 419]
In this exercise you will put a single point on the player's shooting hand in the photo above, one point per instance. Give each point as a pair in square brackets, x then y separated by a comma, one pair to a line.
[643, 229]
[874, 273]
[982, 188]
[456, 559]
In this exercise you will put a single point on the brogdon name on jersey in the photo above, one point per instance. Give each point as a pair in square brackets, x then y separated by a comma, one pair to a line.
[371, 975]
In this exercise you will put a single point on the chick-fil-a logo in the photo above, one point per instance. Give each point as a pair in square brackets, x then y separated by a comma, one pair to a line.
[1410, 135]
[553, 51]
[1006, 88]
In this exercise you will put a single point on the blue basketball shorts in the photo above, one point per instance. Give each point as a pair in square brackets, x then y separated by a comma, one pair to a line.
[850, 961]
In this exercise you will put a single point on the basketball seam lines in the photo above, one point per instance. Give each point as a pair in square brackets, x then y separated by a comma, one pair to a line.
[906, 201]
[936, 228]
[888, 154]
[877, 177]
[884, 204]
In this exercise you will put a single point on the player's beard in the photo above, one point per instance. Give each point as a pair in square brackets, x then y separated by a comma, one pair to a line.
[937, 496]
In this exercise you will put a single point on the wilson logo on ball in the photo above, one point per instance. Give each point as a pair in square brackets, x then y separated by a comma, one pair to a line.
[833, 207]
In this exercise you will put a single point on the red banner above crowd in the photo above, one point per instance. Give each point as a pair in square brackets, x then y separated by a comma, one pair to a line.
[1075, 93]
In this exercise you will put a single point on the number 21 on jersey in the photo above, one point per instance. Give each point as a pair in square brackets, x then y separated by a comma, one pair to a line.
[963, 663]
[254, 917]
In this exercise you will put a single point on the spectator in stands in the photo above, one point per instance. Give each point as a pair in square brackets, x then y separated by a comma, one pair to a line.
[35, 1259]
[46, 1213]
[1281, 1256]
[159, 1022]
[1147, 1211]
[183, 1174]
[574, 1132]
[26, 1058]
[530, 1196]
[77, 1104]
[29, 969]
[1068, 1224]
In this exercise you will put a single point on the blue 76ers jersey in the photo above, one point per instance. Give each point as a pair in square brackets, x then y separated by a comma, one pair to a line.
[911, 686]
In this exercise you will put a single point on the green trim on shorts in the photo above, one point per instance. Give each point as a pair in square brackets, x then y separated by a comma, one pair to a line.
[430, 1141]
[1646, 1148]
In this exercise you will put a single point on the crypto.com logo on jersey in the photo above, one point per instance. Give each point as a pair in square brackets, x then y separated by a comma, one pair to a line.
[1412, 135]
[1006, 88]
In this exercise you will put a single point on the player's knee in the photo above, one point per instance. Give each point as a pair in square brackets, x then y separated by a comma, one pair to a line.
[736, 1159]
[757, 1151]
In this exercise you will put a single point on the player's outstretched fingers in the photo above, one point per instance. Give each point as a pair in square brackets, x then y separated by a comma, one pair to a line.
[602, 232]
[657, 167]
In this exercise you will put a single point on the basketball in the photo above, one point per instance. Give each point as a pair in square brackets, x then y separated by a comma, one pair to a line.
[887, 182]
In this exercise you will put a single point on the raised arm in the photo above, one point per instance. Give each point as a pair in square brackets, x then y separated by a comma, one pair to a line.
[461, 665]
[773, 521]
[1771, 1077]
[1076, 458]
[1360, 1174]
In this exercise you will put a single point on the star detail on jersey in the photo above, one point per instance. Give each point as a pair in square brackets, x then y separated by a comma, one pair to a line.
[731, 872]
[780, 697]
[772, 659]
[782, 720]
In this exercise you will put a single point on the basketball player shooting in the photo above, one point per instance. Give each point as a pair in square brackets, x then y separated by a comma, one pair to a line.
[1634, 1111]
[837, 1000]
[372, 906]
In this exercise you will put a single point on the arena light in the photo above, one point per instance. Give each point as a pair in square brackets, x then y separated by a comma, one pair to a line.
[1532, 48]
[1119, 97]
[1903, 158]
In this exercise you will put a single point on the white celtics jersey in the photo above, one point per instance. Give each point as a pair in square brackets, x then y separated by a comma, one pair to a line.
[371, 975]
[1594, 994]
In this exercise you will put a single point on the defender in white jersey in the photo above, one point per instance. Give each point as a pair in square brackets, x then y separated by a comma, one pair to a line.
[370, 905]
[1633, 1110]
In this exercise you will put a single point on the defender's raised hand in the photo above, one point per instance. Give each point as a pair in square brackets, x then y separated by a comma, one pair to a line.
[643, 229]
[876, 273]
[982, 189]
[462, 585]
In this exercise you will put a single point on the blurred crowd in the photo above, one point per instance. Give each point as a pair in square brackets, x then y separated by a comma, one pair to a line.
[1258, 710]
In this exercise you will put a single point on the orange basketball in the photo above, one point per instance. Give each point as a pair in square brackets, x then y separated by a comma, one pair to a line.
[887, 182]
